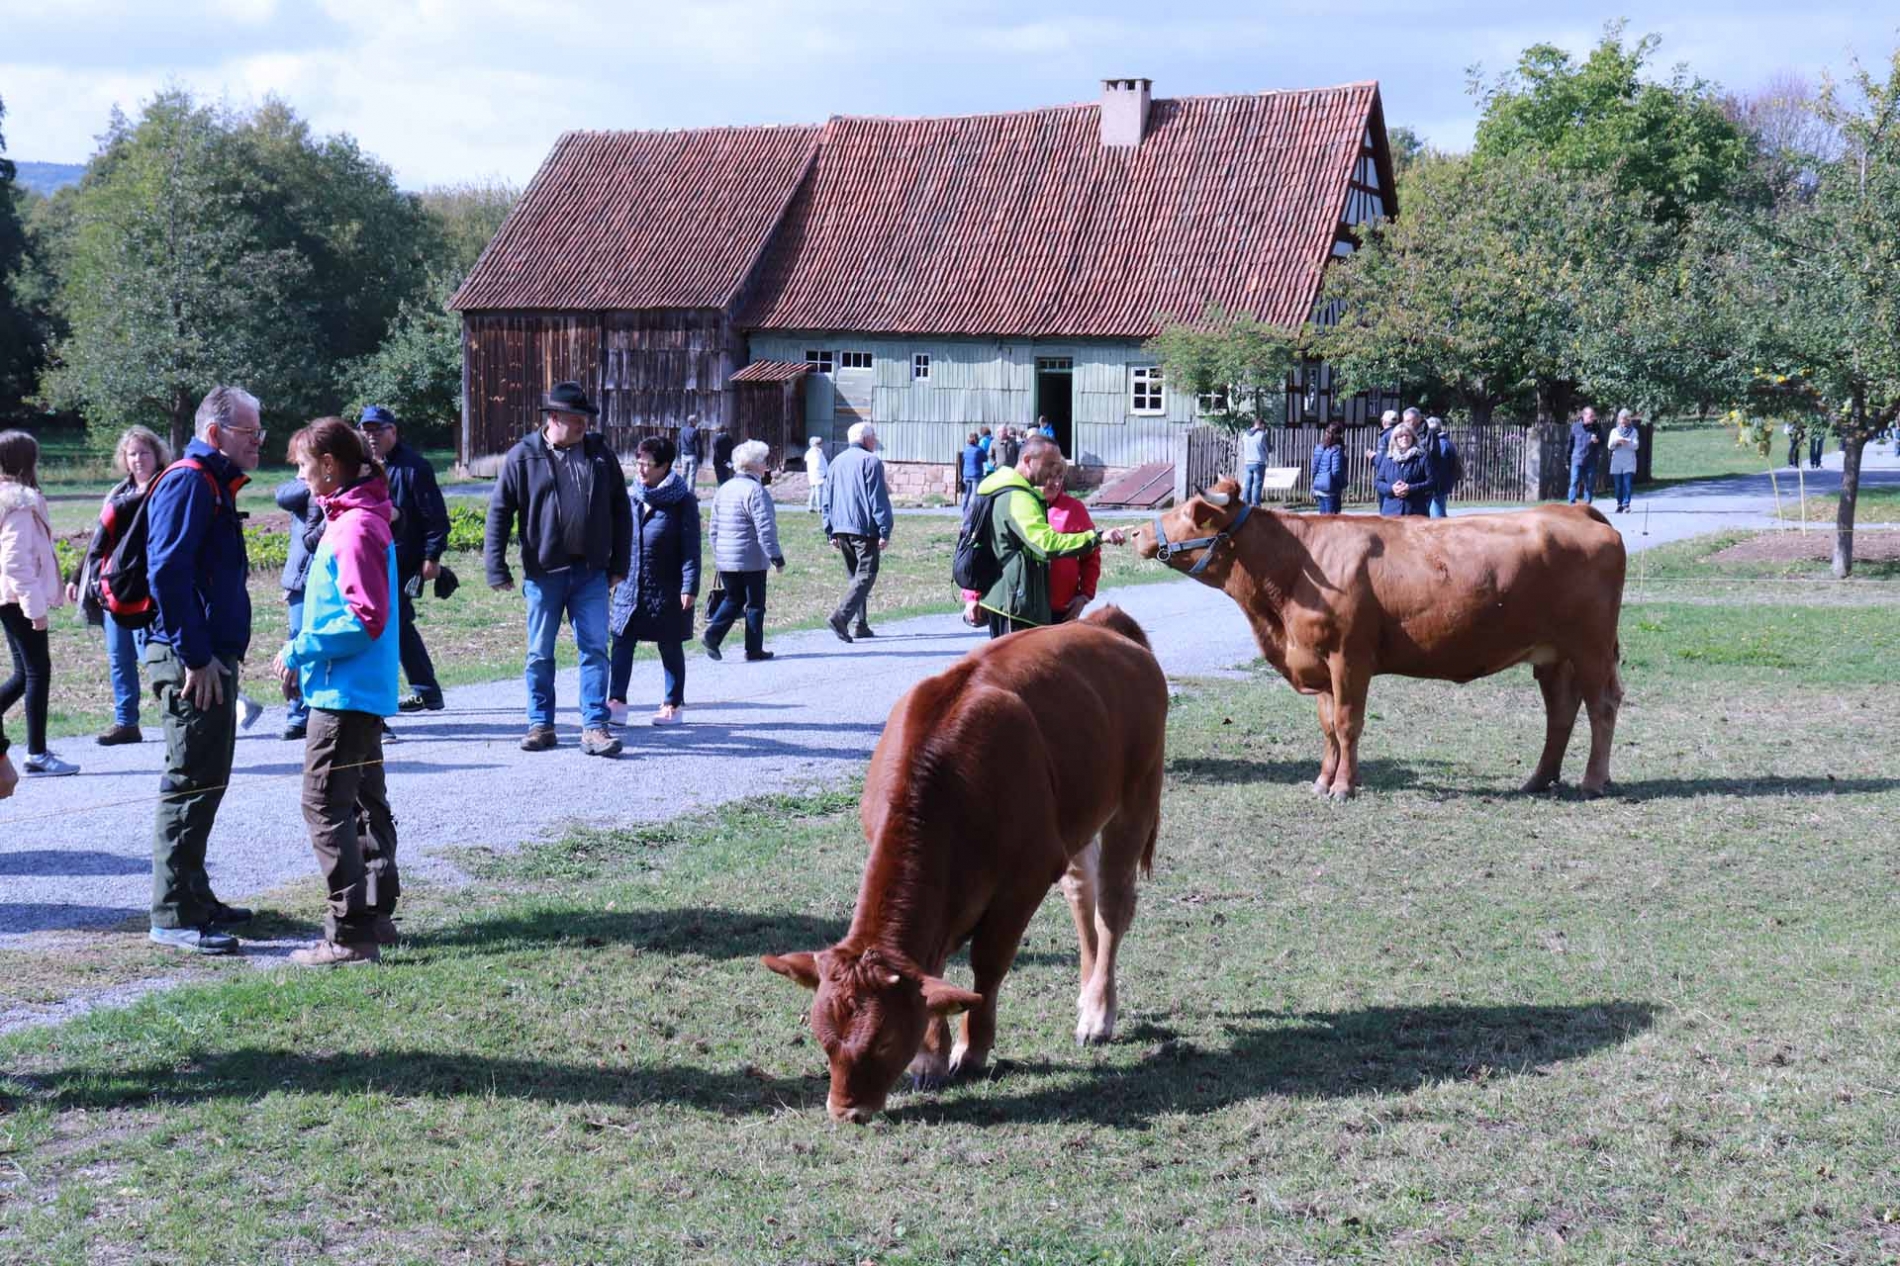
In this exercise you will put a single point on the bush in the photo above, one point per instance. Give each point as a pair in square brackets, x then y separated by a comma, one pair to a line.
[467, 526]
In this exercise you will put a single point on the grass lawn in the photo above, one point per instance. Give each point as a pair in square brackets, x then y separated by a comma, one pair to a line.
[1438, 1023]
[1873, 505]
[1687, 450]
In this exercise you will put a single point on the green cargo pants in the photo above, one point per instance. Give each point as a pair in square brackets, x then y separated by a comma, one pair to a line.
[199, 744]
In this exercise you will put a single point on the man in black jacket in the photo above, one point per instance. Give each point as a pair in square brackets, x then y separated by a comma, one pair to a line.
[722, 452]
[569, 495]
[422, 535]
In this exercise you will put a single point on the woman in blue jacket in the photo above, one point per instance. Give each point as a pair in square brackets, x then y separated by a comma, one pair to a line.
[655, 602]
[1329, 468]
[1403, 476]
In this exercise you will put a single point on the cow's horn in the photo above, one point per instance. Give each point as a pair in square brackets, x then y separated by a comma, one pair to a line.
[1217, 498]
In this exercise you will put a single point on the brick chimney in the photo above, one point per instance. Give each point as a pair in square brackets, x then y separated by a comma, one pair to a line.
[1124, 111]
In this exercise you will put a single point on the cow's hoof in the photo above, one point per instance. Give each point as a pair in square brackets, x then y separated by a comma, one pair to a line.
[928, 1081]
[965, 1062]
[1537, 785]
[1343, 793]
[1321, 787]
[1095, 1030]
[1591, 793]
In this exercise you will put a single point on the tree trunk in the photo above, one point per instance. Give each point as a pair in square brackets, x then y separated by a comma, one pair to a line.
[1851, 445]
[182, 412]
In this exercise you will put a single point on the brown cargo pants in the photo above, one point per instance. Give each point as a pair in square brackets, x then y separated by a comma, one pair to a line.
[346, 805]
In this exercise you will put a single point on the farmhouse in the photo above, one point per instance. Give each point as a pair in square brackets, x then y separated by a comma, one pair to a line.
[930, 275]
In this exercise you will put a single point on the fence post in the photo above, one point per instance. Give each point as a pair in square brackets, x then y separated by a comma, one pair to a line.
[1178, 441]
[1546, 467]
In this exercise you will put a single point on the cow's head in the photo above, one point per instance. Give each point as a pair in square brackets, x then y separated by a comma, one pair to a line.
[1203, 515]
[868, 1013]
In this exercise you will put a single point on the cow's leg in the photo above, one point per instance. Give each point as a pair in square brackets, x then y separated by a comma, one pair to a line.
[1078, 885]
[992, 950]
[930, 1067]
[1329, 757]
[1602, 696]
[1558, 682]
[1128, 837]
[1349, 718]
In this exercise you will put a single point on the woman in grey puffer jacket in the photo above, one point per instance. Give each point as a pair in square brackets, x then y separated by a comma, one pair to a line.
[744, 540]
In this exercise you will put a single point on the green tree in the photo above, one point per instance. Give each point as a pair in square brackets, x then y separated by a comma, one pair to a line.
[1236, 360]
[20, 335]
[1671, 144]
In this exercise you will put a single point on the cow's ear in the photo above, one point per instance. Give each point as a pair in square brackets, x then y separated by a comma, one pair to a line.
[943, 998]
[1205, 515]
[801, 967]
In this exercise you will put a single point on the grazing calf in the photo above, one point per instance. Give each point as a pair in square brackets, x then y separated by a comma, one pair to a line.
[1336, 600]
[1035, 758]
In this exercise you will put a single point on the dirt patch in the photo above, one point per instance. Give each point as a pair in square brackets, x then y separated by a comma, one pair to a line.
[1805, 547]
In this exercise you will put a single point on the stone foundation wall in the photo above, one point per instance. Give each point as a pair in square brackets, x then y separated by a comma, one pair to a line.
[913, 481]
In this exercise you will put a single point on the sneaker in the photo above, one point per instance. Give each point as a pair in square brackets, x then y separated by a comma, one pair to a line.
[416, 701]
[616, 712]
[840, 627]
[204, 940]
[294, 733]
[223, 916]
[863, 630]
[333, 954]
[711, 648]
[119, 735]
[669, 715]
[389, 735]
[760, 658]
[540, 738]
[48, 765]
[599, 743]
[249, 710]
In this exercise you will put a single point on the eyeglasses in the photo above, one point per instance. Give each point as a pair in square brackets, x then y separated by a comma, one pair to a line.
[258, 431]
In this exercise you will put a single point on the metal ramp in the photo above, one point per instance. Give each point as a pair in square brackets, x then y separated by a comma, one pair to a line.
[1143, 488]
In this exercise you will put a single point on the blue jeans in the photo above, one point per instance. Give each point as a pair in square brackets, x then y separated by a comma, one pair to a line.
[1583, 478]
[745, 591]
[579, 593]
[1625, 481]
[124, 649]
[1328, 502]
[1436, 507]
[672, 661]
[1256, 487]
[296, 712]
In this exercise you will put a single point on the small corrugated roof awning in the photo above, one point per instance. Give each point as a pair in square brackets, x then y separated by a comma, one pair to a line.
[771, 371]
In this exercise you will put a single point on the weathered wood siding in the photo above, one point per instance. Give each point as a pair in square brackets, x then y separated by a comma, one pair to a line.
[646, 370]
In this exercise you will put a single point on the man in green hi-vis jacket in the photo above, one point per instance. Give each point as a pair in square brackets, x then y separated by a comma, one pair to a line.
[1023, 540]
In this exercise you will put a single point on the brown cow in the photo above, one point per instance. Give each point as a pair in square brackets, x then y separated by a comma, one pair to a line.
[1037, 757]
[1335, 600]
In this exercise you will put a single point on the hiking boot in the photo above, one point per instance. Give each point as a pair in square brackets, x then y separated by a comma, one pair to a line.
[540, 738]
[294, 733]
[599, 743]
[334, 954]
[863, 630]
[119, 735]
[760, 658]
[389, 735]
[416, 701]
[203, 940]
[669, 714]
[223, 916]
[711, 648]
[840, 626]
[48, 765]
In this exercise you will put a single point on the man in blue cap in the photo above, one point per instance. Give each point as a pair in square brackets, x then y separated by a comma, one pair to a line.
[422, 534]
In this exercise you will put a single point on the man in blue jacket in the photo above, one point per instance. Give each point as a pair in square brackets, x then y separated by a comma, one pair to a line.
[197, 569]
[1586, 441]
[857, 512]
[422, 536]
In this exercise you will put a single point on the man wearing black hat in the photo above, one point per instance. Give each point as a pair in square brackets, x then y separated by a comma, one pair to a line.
[569, 495]
[422, 535]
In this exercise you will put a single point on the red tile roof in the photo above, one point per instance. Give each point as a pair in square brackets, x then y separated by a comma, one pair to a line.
[642, 220]
[770, 371]
[1025, 224]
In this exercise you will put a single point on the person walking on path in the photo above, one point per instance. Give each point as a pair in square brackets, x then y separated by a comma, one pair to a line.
[422, 537]
[1024, 542]
[744, 541]
[858, 521]
[1256, 445]
[970, 470]
[1403, 477]
[1448, 468]
[722, 446]
[566, 490]
[1817, 443]
[1624, 441]
[689, 451]
[816, 464]
[9, 776]
[138, 458]
[30, 590]
[1586, 441]
[1329, 468]
[1072, 577]
[307, 522]
[197, 567]
[343, 663]
[655, 602]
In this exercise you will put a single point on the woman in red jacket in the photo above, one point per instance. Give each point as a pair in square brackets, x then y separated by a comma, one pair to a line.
[1072, 580]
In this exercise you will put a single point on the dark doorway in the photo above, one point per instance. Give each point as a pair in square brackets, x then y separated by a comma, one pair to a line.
[1055, 398]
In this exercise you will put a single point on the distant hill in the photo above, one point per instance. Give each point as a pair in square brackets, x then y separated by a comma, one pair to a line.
[48, 177]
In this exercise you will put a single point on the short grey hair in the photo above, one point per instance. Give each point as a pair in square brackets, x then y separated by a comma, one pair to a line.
[1388, 417]
[857, 432]
[1413, 414]
[218, 407]
[749, 454]
[1624, 415]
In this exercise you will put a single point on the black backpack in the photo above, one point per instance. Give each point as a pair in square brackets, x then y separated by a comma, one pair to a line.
[123, 583]
[975, 565]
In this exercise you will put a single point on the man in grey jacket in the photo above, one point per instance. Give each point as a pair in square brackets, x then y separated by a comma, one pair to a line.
[857, 514]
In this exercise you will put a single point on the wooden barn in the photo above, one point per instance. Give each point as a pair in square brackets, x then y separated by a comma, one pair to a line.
[929, 275]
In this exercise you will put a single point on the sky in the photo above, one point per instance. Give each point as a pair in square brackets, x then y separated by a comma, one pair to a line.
[446, 91]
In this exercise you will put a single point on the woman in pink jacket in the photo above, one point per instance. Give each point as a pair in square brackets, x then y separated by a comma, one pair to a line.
[30, 588]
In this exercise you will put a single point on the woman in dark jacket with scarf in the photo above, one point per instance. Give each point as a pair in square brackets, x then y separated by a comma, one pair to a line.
[1403, 476]
[655, 602]
[1329, 468]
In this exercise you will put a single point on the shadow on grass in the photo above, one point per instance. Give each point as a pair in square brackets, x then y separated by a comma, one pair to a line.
[1386, 775]
[708, 933]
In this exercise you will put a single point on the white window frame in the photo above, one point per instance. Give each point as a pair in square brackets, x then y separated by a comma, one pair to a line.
[821, 361]
[920, 366]
[855, 360]
[1147, 391]
[1212, 402]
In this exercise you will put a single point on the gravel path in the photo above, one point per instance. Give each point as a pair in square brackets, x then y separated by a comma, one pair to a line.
[74, 852]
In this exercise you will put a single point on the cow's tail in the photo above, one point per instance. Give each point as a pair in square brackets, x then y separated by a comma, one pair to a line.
[1148, 851]
[1114, 618]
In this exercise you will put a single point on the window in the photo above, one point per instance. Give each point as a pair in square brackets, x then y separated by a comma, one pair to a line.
[920, 366]
[820, 362]
[1145, 390]
[1211, 402]
[854, 360]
